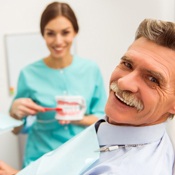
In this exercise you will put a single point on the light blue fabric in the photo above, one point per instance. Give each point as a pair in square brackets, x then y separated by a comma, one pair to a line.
[42, 84]
[82, 153]
[155, 157]
[7, 123]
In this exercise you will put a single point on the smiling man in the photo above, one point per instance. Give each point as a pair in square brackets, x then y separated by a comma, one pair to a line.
[133, 139]
[143, 85]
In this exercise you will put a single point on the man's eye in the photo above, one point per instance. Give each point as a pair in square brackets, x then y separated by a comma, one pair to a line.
[128, 65]
[154, 80]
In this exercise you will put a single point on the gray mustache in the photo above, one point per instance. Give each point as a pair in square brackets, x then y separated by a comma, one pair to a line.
[127, 97]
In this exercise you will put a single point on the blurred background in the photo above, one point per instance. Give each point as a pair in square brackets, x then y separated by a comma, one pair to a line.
[107, 27]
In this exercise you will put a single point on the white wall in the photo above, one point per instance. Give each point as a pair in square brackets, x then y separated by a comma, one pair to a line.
[107, 28]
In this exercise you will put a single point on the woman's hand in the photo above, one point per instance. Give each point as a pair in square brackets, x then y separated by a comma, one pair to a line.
[86, 121]
[6, 169]
[23, 107]
[64, 122]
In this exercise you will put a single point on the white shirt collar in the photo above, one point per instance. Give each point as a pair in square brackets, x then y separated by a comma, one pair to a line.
[109, 134]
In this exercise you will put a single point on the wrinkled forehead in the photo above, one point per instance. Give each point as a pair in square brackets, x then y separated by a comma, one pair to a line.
[149, 55]
[153, 50]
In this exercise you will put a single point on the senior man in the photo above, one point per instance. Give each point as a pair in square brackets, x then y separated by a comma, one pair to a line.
[133, 139]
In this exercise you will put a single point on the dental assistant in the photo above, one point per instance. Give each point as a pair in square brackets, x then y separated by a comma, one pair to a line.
[59, 73]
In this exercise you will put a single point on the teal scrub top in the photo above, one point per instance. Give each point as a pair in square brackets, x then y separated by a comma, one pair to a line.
[41, 83]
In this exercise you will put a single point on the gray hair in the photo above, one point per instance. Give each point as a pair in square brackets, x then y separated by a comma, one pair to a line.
[158, 31]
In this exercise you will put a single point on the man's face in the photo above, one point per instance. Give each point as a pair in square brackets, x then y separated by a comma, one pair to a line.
[142, 86]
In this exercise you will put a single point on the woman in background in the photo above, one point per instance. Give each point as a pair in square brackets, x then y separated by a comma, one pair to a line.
[59, 73]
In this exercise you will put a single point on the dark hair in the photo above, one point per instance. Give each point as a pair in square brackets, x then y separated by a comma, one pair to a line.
[160, 32]
[58, 9]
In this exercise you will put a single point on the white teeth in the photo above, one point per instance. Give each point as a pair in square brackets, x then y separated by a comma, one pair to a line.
[128, 103]
[126, 98]
[58, 49]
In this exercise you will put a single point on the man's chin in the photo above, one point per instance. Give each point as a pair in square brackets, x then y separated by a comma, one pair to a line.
[117, 121]
[114, 121]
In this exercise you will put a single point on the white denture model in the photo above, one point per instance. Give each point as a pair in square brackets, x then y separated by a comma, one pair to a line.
[72, 107]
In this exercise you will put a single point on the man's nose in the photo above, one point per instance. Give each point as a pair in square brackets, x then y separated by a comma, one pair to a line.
[129, 82]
